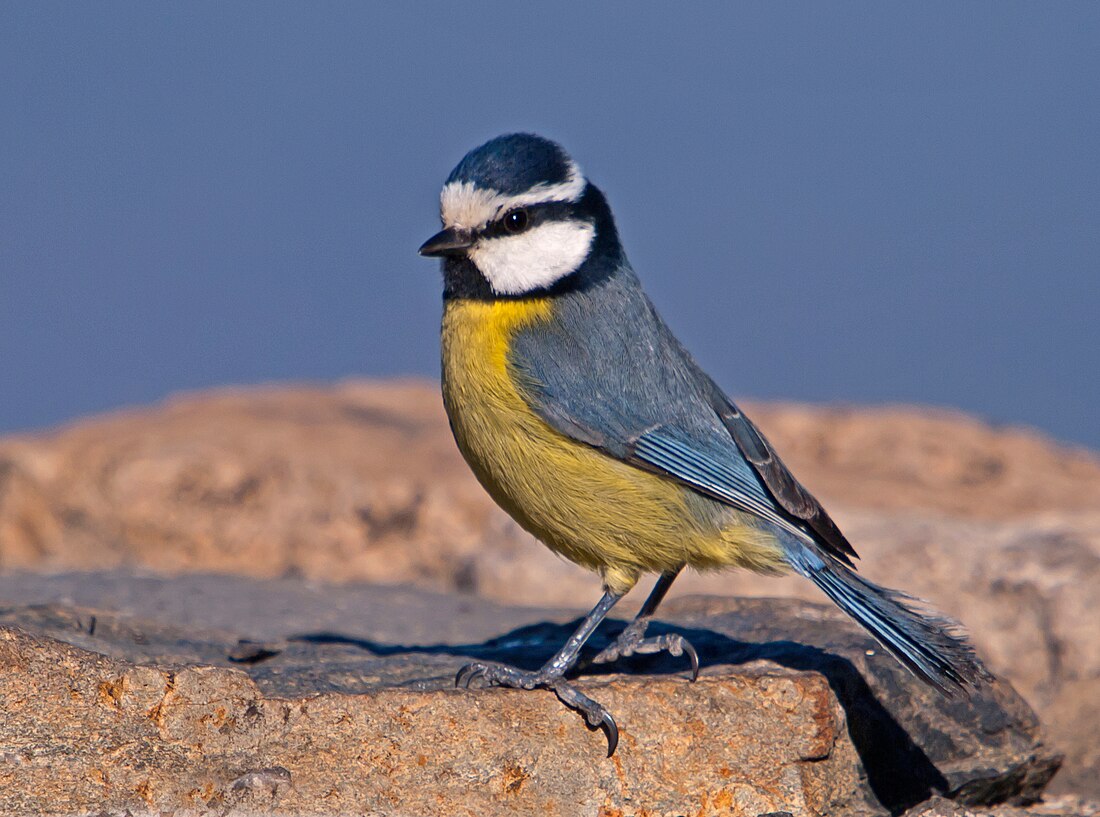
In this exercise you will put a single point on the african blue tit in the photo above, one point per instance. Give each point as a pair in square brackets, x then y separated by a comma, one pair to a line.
[590, 424]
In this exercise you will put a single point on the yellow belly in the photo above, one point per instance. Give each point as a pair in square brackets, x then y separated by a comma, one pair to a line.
[592, 509]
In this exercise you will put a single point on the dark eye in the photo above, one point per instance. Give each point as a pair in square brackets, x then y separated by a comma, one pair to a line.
[515, 221]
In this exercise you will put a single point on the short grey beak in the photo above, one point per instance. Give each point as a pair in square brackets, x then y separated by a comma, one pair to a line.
[446, 242]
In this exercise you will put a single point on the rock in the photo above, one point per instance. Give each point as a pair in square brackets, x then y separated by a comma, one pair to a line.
[913, 742]
[361, 482]
[138, 707]
[367, 474]
[123, 737]
[1026, 593]
[919, 458]
[1066, 806]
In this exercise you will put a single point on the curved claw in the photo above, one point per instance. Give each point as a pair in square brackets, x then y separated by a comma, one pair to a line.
[694, 656]
[612, 730]
[467, 674]
[595, 715]
[678, 645]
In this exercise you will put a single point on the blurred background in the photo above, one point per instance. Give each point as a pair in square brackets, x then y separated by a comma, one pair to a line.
[860, 202]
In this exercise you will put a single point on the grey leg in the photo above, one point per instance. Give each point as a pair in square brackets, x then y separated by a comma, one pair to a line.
[552, 674]
[632, 640]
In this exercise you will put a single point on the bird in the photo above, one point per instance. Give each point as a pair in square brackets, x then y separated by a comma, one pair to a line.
[591, 425]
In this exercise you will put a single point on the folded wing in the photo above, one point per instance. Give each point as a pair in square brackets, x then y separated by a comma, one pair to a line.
[625, 385]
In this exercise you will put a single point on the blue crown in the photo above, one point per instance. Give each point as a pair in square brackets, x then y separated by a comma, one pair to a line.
[513, 164]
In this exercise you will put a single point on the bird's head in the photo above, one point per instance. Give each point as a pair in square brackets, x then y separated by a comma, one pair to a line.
[518, 217]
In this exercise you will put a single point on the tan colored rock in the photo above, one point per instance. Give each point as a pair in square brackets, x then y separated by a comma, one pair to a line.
[898, 458]
[330, 723]
[102, 734]
[358, 484]
[361, 482]
[1065, 806]
[1026, 592]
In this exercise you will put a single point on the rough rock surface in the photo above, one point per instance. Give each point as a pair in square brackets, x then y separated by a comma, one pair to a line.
[997, 527]
[1066, 806]
[796, 710]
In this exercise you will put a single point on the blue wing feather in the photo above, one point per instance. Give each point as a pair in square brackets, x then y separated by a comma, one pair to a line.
[722, 474]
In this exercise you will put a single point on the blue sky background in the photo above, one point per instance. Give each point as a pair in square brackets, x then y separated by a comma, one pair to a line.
[844, 202]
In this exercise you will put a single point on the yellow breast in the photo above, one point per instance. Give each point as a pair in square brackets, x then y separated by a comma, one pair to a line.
[591, 508]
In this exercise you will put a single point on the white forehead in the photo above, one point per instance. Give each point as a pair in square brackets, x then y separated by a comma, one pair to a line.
[463, 206]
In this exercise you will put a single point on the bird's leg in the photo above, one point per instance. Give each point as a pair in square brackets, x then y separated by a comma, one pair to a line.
[632, 640]
[552, 673]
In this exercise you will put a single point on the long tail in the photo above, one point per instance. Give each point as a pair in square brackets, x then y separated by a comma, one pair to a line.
[931, 646]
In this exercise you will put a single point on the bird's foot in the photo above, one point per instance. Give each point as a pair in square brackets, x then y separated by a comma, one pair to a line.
[633, 641]
[494, 674]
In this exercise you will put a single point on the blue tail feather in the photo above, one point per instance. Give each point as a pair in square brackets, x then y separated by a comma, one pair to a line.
[929, 645]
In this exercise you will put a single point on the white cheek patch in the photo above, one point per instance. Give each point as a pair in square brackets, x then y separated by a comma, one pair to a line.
[538, 258]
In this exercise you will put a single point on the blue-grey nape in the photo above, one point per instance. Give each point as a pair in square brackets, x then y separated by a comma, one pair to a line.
[514, 163]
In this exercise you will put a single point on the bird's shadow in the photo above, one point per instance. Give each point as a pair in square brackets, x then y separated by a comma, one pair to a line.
[899, 773]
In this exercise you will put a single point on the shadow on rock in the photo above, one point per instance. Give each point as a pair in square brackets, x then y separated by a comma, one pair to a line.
[899, 773]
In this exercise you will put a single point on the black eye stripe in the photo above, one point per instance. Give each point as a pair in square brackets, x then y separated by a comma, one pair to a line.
[536, 214]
